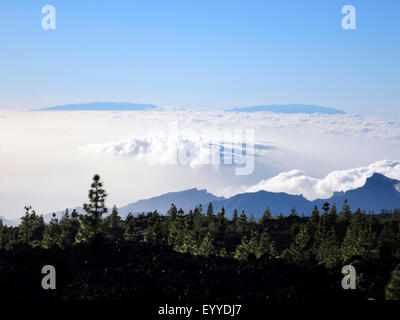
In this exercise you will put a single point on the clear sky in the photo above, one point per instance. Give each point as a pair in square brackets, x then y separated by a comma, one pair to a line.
[202, 54]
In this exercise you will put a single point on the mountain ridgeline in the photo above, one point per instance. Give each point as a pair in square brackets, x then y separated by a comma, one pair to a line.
[128, 106]
[100, 106]
[290, 109]
[378, 193]
[187, 200]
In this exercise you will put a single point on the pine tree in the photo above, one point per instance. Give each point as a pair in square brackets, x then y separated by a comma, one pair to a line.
[210, 218]
[396, 215]
[333, 210]
[242, 250]
[206, 247]
[210, 211]
[314, 223]
[223, 253]
[176, 228]
[199, 224]
[91, 222]
[235, 216]
[392, 291]
[332, 216]
[242, 222]
[388, 240]
[25, 227]
[252, 224]
[220, 232]
[3, 235]
[69, 225]
[266, 245]
[280, 216]
[253, 243]
[113, 226]
[52, 234]
[348, 247]
[266, 218]
[257, 246]
[130, 228]
[345, 215]
[172, 212]
[189, 221]
[360, 240]
[234, 222]
[160, 230]
[113, 220]
[327, 250]
[314, 219]
[31, 228]
[189, 243]
[368, 242]
[156, 232]
[325, 208]
[299, 251]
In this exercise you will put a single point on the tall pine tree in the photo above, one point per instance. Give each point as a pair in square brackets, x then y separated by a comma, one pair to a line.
[91, 222]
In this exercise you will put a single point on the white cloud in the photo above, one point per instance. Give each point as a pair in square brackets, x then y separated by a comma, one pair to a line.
[297, 182]
[188, 147]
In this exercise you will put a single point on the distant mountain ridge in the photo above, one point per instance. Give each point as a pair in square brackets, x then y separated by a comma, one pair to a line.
[256, 202]
[187, 200]
[128, 106]
[9, 222]
[100, 106]
[379, 192]
[290, 108]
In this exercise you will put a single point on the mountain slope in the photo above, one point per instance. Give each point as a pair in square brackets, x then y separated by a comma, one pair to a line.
[256, 203]
[379, 192]
[187, 199]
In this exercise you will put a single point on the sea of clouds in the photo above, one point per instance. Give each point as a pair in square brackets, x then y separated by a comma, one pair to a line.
[47, 158]
[361, 130]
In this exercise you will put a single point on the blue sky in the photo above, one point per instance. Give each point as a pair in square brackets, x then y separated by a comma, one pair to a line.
[202, 54]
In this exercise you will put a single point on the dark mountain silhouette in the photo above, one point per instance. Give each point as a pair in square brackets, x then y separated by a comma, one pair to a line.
[187, 200]
[256, 203]
[290, 108]
[379, 192]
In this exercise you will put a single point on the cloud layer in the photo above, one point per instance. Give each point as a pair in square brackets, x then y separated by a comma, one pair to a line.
[49, 146]
[186, 148]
